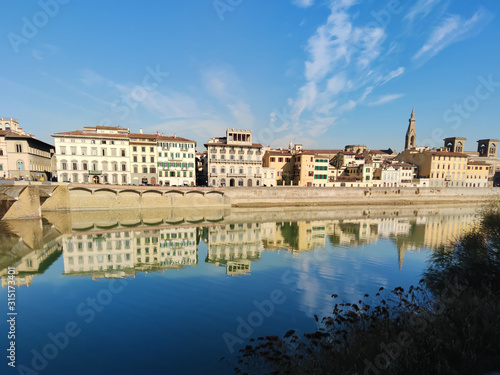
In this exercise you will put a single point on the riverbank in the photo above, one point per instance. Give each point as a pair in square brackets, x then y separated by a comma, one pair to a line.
[23, 201]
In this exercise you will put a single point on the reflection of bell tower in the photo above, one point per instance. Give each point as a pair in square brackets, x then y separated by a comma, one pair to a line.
[487, 148]
[455, 144]
[411, 133]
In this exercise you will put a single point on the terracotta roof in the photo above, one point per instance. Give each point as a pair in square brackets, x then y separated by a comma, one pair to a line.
[172, 138]
[477, 163]
[81, 133]
[447, 153]
[11, 133]
[322, 152]
[388, 152]
[232, 145]
[143, 136]
[279, 152]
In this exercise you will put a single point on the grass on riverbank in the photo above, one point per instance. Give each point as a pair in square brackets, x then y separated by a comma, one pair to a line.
[449, 324]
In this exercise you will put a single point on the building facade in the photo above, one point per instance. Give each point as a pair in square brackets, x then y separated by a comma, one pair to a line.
[176, 161]
[143, 159]
[22, 156]
[234, 160]
[97, 154]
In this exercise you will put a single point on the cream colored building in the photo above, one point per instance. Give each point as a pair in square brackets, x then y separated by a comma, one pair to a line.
[234, 160]
[176, 161]
[143, 159]
[22, 156]
[98, 154]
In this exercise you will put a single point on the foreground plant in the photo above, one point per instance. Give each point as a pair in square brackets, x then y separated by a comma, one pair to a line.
[448, 324]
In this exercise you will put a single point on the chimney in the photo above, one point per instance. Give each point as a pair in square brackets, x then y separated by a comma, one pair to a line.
[175, 135]
[140, 131]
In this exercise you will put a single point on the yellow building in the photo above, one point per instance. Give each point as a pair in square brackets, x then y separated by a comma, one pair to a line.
[442, 168]
[303, 169]
[143, 158]
[477, 174]
[282, 161]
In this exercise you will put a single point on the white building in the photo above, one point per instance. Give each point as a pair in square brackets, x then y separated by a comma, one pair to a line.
[268, 176]
[97, 154]
[234, 160]
[176, 161]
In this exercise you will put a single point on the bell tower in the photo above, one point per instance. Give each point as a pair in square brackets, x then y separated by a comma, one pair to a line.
[411, 133]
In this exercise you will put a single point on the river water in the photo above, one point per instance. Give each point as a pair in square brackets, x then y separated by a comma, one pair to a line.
[173, 292]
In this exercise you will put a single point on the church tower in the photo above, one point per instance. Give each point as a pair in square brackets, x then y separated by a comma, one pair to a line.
[411, 133]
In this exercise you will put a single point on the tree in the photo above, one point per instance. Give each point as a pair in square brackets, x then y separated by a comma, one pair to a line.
[337, 161]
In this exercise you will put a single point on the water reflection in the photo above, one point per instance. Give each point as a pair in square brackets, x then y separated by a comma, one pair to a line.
[117, 245]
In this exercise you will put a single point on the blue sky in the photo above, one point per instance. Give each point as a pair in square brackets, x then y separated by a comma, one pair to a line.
[321, 73]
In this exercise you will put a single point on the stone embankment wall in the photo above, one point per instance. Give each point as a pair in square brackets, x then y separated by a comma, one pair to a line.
[20, 201]
[303, 196]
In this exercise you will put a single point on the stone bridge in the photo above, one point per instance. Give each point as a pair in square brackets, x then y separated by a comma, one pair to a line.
[24, 200]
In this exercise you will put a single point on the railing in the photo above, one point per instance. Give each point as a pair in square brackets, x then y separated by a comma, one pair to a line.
[232, 152]
[241, 152]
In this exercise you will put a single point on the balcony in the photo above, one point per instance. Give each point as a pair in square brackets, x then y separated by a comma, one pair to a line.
[250, 152]
[258, 153]
[241, 152]
[232, 152]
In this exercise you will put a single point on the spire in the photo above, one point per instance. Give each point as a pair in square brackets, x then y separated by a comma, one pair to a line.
[411, 133]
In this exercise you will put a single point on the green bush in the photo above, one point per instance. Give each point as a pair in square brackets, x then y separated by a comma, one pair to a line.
[449, 324]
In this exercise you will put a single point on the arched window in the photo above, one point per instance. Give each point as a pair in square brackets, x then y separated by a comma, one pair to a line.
[7, 126]
[20, 166]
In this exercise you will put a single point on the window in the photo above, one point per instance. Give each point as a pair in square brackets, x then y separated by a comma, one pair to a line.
[64, 165]
[123, 152]
[135, 169]
[103, 152]
[143, 159]
[20, 165]
[85, 166]
[273, 159]
[84, 150]
[73, 150]
[134, 148]
[75, 166]
[152, 149]
[124, 167]
[143, 149]
[144, 169]
[113, 152]
[152, 159]
[135, 158]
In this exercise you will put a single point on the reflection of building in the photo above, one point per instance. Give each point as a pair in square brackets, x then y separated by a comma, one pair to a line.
[122, 253]
[234, 246]
[34, 263]
[160, 249]
[100, 255]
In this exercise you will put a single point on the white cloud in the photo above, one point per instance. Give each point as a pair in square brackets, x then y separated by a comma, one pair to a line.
[303, 3]
[386, 99]
[336, 84]
[393, 74]
[422, 8]
[242, 115]
[349, 106]
[451, 30]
